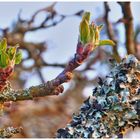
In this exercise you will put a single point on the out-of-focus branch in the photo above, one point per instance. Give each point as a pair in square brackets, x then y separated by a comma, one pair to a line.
[40, 75]
[137, 42]
[49, 9]
[100, 56]
[51, 14]
[110, 31]
[129, 30]
[43, 25]
[44, 64]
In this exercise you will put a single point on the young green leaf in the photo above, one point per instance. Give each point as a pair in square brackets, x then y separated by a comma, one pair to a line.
[97, 36]
[92, 34]
[3, 44]
[11, 52]
[84, 31]
[86, 16]
[4, 60]
[106, 42]
[18, 57]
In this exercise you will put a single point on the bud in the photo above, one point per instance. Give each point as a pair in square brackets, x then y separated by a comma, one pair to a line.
[84, 31]
[90, 33]
[8, 58]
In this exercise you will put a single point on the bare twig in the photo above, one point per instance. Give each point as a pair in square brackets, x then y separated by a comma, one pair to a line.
[49, 9]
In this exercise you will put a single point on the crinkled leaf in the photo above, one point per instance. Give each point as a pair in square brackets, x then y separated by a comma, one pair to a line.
[18, 57]
[106, 42]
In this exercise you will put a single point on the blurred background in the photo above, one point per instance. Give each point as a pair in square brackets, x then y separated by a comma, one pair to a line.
[47, 34]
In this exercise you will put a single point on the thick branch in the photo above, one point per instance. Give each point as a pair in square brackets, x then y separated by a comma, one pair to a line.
[129, 31]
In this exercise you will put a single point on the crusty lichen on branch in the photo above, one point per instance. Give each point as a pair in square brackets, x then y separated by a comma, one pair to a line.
[113, 107]
[9, 132]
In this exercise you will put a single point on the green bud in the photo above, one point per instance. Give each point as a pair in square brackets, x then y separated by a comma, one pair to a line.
[8, 54]
[90, 33]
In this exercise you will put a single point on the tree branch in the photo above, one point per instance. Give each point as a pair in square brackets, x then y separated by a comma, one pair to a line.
[52, 87]
[129, 31]
[110, 32]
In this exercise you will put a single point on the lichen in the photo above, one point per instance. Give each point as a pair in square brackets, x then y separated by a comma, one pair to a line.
[9, 132]
[113, 107]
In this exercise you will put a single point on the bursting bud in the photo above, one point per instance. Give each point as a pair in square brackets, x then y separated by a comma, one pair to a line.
[8, 58]
[90, 33]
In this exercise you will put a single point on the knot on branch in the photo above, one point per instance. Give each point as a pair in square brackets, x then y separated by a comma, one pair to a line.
[68, 76]
[58, 90]
[113, 107]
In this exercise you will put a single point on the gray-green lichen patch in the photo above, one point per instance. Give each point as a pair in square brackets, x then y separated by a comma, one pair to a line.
[10, 94]
[113, 107]
[9, 132]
